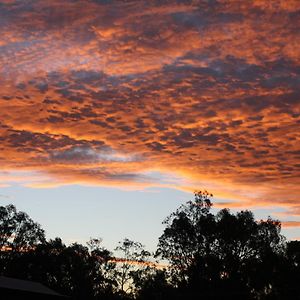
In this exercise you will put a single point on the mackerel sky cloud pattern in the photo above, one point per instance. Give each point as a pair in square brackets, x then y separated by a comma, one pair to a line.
[131, 93]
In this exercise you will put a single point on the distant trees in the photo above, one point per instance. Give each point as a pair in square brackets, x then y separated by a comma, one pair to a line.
[72, 270]
[210, 256]
[132, 266]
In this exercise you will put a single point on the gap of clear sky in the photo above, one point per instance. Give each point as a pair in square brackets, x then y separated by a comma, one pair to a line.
[113, 112]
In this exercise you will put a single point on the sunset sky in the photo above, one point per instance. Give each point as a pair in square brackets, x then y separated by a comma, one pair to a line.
[113, 112]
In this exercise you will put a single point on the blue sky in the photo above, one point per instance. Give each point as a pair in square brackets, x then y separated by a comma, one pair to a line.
[76, 213]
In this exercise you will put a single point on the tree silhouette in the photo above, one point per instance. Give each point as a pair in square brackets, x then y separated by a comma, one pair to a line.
[132, 266]
[156, 286]
[211, 256]
[220, 254]
[18, 232]
[287, 280]
[72, 270]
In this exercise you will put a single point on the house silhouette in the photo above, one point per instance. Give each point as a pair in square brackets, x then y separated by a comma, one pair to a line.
[12, 288]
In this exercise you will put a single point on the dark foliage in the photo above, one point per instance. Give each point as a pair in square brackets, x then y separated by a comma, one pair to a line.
[209, 256]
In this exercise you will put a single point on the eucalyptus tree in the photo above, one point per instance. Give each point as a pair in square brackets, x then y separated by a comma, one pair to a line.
[222, 252]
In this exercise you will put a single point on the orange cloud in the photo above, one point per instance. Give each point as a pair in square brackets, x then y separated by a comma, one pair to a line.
[137, 263]
[139, 94]
[290, 224]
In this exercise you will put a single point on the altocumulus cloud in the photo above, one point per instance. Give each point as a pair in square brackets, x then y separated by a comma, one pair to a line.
[126, 93]
[86, 154]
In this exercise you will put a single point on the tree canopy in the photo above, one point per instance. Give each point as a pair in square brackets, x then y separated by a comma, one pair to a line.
[206, 255]
[221, 252]
[17, 230]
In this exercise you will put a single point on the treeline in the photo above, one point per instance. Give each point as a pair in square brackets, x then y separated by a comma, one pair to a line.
[200, 255]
